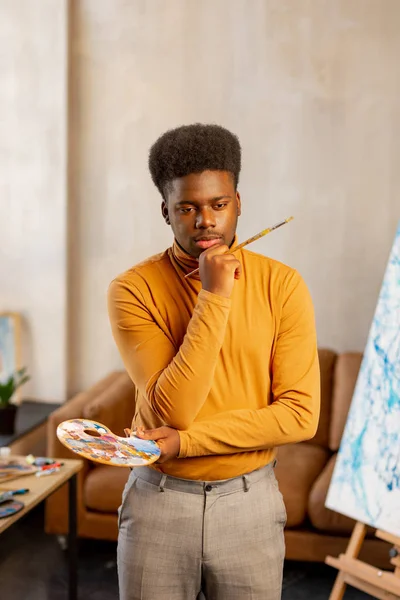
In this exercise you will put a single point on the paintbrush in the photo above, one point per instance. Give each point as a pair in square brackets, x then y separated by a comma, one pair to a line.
[252, 239]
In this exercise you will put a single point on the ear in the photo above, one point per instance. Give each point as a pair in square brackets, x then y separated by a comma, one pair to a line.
[164, 211]
[239, 204]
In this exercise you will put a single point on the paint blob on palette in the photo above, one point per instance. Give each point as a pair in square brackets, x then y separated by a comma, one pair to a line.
[96, 442]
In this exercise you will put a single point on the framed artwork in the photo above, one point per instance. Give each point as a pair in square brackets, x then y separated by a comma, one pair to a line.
[366, 480]
[10, 347]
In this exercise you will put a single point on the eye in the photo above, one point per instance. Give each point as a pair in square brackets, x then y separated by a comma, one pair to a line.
[220, 205]
[186, 210]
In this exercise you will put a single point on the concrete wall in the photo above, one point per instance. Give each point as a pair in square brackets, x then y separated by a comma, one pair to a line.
[33, 199]
[312, 90]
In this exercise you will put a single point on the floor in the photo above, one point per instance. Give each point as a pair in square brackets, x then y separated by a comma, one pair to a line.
[33, 567]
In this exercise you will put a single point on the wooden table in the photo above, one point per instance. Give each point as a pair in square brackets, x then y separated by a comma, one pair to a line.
[41, 488]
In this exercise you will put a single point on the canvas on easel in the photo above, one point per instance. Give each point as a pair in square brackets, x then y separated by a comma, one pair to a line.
[365, 483]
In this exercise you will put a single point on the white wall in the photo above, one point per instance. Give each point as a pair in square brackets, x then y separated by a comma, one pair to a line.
[312, 90]
[33, 185]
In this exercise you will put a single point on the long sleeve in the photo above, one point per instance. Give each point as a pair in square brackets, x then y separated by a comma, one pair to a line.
[293, 414]
[175, 382]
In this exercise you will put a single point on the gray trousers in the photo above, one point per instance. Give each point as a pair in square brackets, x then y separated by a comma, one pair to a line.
[179, 537]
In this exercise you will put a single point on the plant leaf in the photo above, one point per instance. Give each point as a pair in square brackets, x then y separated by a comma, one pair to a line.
[8, 387]
[22, 381]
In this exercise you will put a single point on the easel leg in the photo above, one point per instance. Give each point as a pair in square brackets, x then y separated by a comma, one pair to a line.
[339, 588]
[352, 551]
[356, 540]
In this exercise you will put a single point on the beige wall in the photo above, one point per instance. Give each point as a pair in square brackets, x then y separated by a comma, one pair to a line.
[33, 84]
[312, 90]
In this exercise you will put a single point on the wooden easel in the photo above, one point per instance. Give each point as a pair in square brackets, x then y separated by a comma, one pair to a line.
[379, 584]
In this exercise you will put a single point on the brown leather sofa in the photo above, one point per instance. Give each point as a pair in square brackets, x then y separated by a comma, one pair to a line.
[303, 470]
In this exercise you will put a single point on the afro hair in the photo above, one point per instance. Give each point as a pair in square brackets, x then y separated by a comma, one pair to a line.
[193, 149]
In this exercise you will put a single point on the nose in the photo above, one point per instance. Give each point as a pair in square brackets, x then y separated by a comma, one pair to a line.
[205, 218]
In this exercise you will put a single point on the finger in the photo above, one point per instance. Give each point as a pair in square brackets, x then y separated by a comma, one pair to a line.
[163, 456]
[152, 434]
[215, 250]
[228, 261]
[142, 433]
[238, 272]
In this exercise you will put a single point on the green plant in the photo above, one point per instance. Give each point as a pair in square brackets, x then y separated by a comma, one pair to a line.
[8, 388]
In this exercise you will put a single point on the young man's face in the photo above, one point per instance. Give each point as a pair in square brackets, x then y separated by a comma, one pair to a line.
[202, 209]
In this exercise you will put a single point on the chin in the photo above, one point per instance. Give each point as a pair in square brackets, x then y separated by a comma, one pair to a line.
[195, 252]
[188, 248]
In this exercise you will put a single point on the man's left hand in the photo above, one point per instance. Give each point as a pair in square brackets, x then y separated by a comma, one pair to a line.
[167, 438]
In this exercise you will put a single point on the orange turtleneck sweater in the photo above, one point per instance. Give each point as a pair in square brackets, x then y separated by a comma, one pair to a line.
[236, 377]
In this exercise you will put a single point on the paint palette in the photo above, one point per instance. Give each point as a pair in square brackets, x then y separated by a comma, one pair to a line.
[14, 468]
[96, 442]
[9, 508]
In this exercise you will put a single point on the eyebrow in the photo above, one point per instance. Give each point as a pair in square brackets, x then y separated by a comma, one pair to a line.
[215, 199]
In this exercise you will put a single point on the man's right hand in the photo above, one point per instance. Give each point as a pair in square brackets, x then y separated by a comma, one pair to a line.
[218, 270]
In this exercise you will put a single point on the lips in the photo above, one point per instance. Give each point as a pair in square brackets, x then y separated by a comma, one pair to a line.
[207, 242]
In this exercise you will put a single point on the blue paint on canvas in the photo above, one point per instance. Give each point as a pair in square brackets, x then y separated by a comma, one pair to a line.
[366, 481]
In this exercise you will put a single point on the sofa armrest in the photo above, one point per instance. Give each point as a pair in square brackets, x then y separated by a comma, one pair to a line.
[115, 406]
[74, 409]
[345, 376]
[56, 520]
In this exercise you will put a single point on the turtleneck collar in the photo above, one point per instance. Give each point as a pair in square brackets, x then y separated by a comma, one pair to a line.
[186, 262]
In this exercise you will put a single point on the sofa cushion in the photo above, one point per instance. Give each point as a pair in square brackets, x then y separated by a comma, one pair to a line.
[322, 518]
[103, 488]
[297, 468]
[327, 359]
[345, 377]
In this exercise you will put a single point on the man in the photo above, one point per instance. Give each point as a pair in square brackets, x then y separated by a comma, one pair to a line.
[226, 369]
